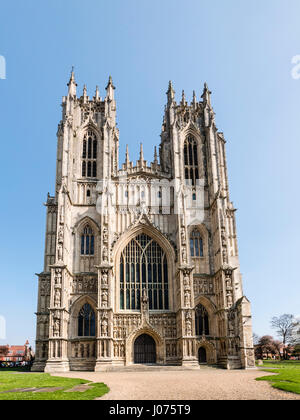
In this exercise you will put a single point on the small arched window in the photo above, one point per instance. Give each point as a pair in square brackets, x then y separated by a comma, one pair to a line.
[86, 322]
[196, 244]
[87, 241]
[89, 155]
[202, 321]
[191, 170]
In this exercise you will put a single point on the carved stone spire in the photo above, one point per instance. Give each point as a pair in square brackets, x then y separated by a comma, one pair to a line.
[155, 156]
[183, 100]
[170, 93]
[141, 153]
[72, 84]
[194, 102]
[127, 160]
[206, 95]
[110, 89]
[97, 95]
[85, 94]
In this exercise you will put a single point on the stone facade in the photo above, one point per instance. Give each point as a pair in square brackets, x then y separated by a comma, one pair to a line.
[128, 254]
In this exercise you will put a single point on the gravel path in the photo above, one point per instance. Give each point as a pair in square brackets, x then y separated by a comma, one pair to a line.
[208, 384]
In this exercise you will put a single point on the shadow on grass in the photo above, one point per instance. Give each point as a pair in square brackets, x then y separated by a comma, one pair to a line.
[16, 369]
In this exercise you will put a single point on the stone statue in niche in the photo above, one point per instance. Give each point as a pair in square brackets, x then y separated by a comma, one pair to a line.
[229, 299]
[57, 299]
[105, 235]
[104, 327]
[223, 236]
[60, 238]
[104, 296]
[186, 281]
[58, 276]
[183, 235]
[188, 323]
[60, 252]
[145, 300]
[56, 327]
[122, 350]
[105, 253]
[184, 255]
[187, 299]
[104, 279]
[116, 350]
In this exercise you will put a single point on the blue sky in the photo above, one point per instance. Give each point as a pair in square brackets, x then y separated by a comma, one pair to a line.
[242, 49]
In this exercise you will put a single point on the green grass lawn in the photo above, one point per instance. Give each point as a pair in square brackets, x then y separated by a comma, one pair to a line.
[10, 380]
[288, 378]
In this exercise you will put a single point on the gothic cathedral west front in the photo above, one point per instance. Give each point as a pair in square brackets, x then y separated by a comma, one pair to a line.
[141, 261]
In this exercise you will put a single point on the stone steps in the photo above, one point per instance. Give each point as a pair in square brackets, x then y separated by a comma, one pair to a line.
[155, 368]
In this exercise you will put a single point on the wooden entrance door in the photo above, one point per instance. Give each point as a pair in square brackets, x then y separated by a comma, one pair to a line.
[144, 350]
[202, 355]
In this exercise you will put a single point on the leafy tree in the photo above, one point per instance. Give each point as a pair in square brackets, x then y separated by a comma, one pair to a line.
[266, 345]
[296, 351]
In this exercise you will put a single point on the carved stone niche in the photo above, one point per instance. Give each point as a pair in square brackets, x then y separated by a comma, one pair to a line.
[171, 349]
[232, 328]
[104, 279]
[45, 287]
[124, 325]
[104, 324]
[228, 271]
[165, 324]
[85, 285]
[203, 286]
[188, 323]
[58, 276]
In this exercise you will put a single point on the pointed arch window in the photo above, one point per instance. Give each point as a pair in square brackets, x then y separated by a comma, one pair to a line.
[143, 265]
[86, 322]
[202, 320]
[196, 244]
[89, 155]
[87, 246]
[191, 168]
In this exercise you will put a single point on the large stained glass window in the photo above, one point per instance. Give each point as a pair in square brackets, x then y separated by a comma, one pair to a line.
[143, 265]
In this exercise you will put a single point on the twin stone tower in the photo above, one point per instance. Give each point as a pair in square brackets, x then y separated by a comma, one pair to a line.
[141, 262]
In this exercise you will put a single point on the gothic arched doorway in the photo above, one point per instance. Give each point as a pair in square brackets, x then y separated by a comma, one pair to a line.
[202, 355]
[144, 350]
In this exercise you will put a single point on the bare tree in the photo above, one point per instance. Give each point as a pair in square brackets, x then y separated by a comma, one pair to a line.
[295, 341]
[284, 326]
[256, 339]
[277, 345]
